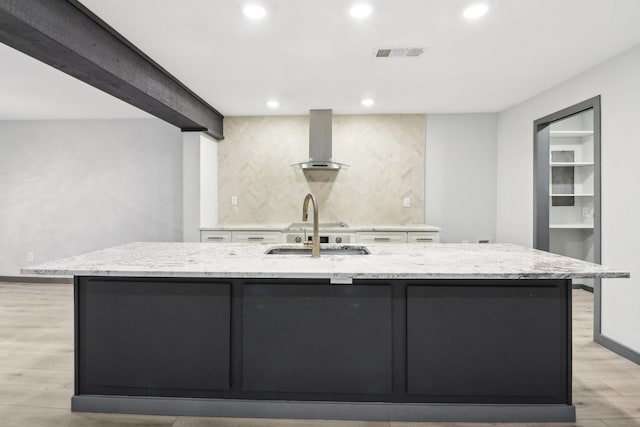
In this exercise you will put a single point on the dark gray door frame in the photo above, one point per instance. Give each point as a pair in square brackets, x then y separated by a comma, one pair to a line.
[541, 187]
[69, 37]
[541, 173]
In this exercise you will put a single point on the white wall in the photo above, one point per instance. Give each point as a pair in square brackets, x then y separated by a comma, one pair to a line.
[460, 176]
[618, 82]
[208, 181]
[191, 186]
[200, 184]
[68, 187]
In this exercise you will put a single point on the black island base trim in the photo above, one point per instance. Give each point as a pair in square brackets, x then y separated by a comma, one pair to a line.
[406, 350]
[369, 411]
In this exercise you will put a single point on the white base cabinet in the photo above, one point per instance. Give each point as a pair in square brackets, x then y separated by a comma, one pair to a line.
[423, 237]
[257, 237]
[215, 236]
[279, 236]
[381, 237]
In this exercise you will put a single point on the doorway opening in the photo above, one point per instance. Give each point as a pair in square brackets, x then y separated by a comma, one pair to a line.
[567, 190]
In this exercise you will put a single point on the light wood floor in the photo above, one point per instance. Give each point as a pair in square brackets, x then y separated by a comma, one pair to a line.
[36, 372]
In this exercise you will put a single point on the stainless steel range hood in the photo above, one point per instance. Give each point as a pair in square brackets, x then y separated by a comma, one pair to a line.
[320, 143]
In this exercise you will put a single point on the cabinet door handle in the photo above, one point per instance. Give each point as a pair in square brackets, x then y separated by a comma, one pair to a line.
[382, 239]
[256, 238]
[424, 239]
[215, 238]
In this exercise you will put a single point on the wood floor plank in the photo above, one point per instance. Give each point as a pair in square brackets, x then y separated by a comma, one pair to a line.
[49, 417]
[254, 422]
[607, 407]
[578, 423]
[623, 422]
[625, 386]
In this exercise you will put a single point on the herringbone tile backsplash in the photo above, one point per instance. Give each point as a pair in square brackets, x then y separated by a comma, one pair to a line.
[386, 154]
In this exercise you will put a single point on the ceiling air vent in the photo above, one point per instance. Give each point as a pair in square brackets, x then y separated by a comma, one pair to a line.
[399, 52]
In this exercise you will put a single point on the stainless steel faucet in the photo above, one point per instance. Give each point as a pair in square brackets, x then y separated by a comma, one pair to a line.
[315, 251]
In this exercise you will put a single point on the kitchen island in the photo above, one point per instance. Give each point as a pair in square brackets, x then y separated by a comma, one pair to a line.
[432, 332]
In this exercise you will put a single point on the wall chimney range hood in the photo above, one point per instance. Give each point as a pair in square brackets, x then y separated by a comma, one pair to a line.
[320, 143]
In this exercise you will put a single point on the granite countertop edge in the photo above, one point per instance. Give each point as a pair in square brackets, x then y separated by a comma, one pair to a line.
[298, 275]
[386, 261]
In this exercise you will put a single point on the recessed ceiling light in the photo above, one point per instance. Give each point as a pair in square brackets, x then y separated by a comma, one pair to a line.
[360, 10]
[254, 11]
[367, 102]
[273, 104]
[475, 11]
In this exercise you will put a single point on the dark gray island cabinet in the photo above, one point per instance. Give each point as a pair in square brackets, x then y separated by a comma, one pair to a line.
[268, 342]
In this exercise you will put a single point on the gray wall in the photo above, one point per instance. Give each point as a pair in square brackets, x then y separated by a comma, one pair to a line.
[68, 187]
[618, 82]
[460, 176]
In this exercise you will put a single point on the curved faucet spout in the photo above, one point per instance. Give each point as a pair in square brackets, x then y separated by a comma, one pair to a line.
[315, 251]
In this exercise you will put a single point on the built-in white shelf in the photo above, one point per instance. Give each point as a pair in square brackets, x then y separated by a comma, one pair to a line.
[552, 164]
[572, 217]
[569, 133]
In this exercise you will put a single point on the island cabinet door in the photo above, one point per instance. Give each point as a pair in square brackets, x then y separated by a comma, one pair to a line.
[316, 341]
[152, 337]
[489, 342]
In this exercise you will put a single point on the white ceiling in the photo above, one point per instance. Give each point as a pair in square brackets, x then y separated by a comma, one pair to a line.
[32, 90]
[312, 54]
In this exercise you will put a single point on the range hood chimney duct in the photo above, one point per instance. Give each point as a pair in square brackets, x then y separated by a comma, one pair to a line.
[320, 143]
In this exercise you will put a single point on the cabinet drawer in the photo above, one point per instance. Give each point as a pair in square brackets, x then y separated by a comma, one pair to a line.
[389, 237]
[215, 236]
[256, 237]
[423, 237]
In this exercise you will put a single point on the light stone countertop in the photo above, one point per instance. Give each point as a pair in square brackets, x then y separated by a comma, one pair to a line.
[350, 229]
[386, 261]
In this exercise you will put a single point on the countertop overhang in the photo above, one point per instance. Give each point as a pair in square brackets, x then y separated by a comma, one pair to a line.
[386, 261]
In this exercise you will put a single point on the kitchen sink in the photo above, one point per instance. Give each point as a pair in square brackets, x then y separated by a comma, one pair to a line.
[326, 250]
